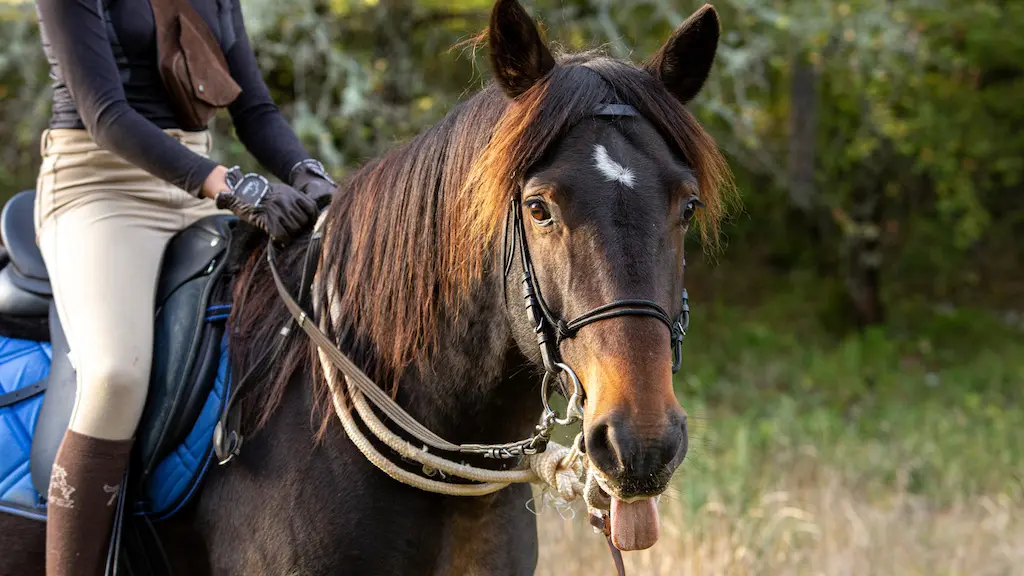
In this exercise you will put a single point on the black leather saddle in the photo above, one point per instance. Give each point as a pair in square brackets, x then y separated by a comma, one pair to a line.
[193, 302]
[24, 285]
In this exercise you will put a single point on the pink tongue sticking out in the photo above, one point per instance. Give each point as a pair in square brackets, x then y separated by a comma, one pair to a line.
[635, 525]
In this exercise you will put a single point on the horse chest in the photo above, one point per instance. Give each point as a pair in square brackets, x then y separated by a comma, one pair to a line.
[288, 505]
[495, 535]
[381, 528]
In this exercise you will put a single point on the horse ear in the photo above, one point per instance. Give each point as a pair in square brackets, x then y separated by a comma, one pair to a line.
[684, 61]
[519, 57]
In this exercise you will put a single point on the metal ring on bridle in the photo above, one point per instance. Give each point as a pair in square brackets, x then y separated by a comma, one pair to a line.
[574, 408]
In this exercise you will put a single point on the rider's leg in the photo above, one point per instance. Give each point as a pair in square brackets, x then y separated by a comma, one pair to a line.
[103, 228]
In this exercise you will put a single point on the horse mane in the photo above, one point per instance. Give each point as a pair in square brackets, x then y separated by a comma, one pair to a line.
[410, 235]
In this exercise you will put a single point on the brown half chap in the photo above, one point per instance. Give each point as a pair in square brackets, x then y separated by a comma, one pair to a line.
[81, 502]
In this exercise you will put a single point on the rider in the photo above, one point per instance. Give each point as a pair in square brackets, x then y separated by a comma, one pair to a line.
[119, 177]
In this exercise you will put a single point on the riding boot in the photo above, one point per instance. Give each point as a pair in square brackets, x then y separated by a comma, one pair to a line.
[82, 499]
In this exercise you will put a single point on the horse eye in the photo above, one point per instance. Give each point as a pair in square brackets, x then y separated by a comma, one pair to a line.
[691, 207]
[539, 212]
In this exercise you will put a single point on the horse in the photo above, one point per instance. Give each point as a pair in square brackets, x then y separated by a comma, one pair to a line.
[417, 283]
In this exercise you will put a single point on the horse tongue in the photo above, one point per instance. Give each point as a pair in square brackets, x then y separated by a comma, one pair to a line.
[635, 525]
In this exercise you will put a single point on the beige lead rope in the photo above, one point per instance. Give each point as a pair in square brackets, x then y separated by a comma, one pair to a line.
[553, 466]
[565, 476]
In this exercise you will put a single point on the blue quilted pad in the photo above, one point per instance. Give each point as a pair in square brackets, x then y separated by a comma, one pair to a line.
[176, 477]
[22, 363]
[171, 485]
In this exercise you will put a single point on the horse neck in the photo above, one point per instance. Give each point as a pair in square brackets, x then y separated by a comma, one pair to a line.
[474, 386]
[477, 386]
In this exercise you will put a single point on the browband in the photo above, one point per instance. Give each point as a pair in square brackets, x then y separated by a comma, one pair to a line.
[615, 110]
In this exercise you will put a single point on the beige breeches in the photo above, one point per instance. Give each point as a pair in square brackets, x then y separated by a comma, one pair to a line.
[102, 225]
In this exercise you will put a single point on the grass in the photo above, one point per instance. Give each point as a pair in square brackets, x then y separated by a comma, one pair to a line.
[895, 451]
[814, 522]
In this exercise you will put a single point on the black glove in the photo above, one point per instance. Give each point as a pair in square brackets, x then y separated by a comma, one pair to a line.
[278, 209]
[311, 178]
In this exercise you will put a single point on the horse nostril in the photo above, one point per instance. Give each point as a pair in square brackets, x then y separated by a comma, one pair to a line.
[683, 427]
[600, 448]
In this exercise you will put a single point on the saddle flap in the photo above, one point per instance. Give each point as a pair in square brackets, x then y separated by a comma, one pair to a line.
[193, 305]
[15, 300]
[194, 251]
[18, 231]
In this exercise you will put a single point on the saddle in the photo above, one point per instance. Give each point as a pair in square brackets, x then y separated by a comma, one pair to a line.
[189, 382]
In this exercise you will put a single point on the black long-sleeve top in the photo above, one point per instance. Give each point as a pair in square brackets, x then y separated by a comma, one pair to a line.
[103, 63]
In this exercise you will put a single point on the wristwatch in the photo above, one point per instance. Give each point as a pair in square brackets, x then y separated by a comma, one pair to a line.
[250, 189]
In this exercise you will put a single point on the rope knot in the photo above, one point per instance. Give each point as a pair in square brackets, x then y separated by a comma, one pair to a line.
[561, 469]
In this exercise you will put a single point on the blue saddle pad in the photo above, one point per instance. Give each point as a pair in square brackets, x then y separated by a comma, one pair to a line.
[22, 363]
[168, 488]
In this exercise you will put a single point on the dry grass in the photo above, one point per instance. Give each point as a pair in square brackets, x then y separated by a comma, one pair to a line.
[817, 523]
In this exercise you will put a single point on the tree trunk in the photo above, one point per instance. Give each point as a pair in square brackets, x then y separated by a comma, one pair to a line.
[863, 252]
[803, 127]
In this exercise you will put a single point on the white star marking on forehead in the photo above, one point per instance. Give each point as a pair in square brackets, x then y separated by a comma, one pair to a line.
[612, 170]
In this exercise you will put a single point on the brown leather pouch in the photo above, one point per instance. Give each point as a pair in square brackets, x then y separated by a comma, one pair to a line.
[191, 63]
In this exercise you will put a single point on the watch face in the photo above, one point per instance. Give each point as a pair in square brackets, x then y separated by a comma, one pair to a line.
[252, 189]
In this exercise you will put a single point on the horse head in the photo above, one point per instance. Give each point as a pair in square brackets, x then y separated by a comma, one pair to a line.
[607, 171]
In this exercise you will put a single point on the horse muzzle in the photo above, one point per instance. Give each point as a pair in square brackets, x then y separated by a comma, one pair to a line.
[633, 465]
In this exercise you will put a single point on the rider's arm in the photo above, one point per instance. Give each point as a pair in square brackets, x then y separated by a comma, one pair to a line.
[78, 37]
[258, 122]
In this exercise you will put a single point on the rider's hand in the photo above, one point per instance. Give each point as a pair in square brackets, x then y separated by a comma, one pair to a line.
[278, 209]
[311, 178]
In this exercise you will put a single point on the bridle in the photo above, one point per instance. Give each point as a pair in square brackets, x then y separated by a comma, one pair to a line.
[551, 330]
